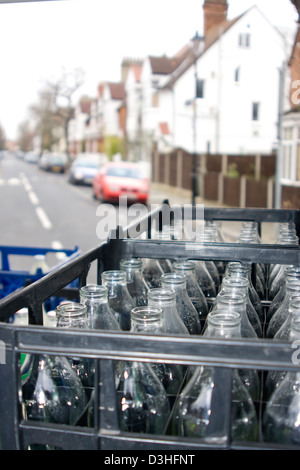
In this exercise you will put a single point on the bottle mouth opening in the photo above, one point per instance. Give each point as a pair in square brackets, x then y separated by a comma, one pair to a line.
[184, 266]
[232, 281]
[173, 278]
[224, 319]
[295, 323]
[293, 285]
[290, 270]
[71, 309]
[146, 314]
[295, 301]
[93, 290]
[233, 297]
[161, 294]
[131, 263]
[113, 276]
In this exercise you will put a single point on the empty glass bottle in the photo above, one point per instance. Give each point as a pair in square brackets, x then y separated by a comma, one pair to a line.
[279, 317]
[149, 320]
[95, 298]
[233, 284]
[53, 393]
[236, 302]
[185, 308]
[281, 417]
[74, 315]
[204, 279]
[244, 270]
[193, 289]
[165, 298]
[293, 309]
[193, 410]
[119, 299]
[217, 237]
[152, 272]
[290, 272]
[142, 401]
[71, 315]
[275, 377]
[136, 284]
[276, 277]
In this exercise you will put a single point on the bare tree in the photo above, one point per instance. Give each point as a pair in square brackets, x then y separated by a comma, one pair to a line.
[25, 136]
[63, 91]
[55, 108]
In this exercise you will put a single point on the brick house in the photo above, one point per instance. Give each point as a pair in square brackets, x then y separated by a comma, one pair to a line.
[290, 131]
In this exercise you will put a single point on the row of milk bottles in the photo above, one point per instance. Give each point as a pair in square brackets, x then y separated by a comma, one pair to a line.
[167, 297]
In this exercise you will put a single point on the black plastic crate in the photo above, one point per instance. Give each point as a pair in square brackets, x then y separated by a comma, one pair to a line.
[106, 347]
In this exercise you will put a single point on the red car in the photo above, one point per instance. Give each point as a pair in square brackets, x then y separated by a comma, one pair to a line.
[121, 179]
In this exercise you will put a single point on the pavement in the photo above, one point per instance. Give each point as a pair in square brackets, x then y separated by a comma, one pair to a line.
[230, 230]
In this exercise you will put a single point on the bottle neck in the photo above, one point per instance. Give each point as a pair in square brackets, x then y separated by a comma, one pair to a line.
[223, 324]
[115, 281]
[148, 319]
[131, 267]
[71, 315]
[235, 301]
[292, 288]
[187, 268]
[162, 297]
[235, 283]
[295, 328]
[294, 305]
[176, 281]
[93, 293]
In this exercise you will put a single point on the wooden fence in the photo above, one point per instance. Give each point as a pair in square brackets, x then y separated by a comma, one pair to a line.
[237, 181]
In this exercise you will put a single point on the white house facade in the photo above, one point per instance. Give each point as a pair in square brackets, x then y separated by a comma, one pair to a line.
[236, 111]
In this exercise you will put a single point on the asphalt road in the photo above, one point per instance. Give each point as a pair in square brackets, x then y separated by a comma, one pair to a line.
[41, 209]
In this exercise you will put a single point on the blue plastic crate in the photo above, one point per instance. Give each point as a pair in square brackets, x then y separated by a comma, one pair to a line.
[12, 279]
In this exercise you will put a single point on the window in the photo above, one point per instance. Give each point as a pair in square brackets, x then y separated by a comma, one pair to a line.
[287, 161]
[255, 111]
[200, 88]
[291, 153]
[244, 40]
[237, 75]
[298, 162]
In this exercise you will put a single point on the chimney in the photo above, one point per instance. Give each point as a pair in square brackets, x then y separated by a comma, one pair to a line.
[215, 12]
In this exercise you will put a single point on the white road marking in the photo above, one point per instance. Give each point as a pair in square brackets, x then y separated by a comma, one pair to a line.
[56, 245]
[13, 181]
[45, 221]
[27, 186]
[33, 198]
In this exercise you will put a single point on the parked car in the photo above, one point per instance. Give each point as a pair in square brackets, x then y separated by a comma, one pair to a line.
[31, 157]
[83, 169]
[20, 154]
[56, 162]
[121, 179]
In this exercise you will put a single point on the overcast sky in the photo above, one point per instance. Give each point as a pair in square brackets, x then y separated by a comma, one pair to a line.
[39, 38]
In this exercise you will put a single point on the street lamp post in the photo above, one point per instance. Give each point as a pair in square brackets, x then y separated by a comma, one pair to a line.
[198, 43]
[194, 167]
[278, 192]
